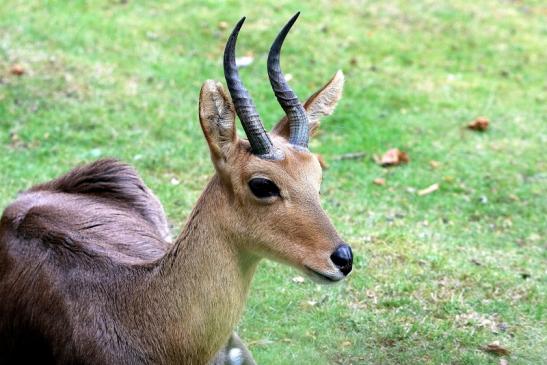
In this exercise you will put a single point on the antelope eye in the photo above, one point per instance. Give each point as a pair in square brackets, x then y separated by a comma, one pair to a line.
[263, 188]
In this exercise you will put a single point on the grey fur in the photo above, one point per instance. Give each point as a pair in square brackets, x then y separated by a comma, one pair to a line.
[75, 255]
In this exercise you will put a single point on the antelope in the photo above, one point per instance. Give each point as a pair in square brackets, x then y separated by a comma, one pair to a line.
[88, 274]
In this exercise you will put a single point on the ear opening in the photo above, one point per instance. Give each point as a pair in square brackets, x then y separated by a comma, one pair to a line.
[320, 104]
[217, 119]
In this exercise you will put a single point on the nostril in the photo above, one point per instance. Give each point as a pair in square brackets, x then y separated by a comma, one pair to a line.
[343, 258]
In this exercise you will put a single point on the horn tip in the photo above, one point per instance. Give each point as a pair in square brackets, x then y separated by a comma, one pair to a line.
[235, 32]
[291, 21]
[240, 22]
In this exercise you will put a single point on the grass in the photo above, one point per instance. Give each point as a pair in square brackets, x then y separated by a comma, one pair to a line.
[436, 276]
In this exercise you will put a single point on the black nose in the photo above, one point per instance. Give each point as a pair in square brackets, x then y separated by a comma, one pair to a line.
[343, 258]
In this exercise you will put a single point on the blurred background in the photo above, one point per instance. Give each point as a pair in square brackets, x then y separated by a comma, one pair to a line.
[448, 229]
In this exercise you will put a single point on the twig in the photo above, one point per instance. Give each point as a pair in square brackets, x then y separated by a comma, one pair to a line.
[350, 156]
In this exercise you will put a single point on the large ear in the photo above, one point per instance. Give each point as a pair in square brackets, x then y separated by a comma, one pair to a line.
[322, 103]
[217, 118]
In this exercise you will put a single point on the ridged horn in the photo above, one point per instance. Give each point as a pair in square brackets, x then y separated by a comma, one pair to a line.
[296, 114]
[261, 145]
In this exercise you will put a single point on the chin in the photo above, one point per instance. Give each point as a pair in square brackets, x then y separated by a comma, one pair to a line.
[323, 278]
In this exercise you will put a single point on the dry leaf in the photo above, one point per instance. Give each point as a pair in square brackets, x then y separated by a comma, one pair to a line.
[16, 141]
[428, 190]
[393, 157]
[479, 124]
[476, 262]
[244, 61]
[379, 181]
[346, 344]
[496, 348]
[222, 25]
[478, 320]
[260, 343]
[298, 279]
[307, 304]
[434, 164]
[17, 70]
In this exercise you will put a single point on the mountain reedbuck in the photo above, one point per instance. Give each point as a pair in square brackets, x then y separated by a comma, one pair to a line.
[87, 271]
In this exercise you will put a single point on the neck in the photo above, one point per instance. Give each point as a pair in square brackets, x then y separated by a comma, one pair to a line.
[205, 278]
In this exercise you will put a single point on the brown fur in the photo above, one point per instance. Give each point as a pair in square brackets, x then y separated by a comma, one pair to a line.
[87, 274]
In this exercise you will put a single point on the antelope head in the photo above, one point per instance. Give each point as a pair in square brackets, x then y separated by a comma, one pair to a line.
[272, 181]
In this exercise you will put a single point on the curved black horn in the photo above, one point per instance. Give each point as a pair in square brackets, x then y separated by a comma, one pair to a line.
[298, 119]
[261, 144]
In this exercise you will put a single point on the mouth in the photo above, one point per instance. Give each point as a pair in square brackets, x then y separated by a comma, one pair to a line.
[322, 278]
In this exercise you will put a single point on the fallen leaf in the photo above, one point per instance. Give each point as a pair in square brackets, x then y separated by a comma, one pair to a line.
[476, 262]
[222, 25]
[346, 344]
[244, 61]
[14, 138]
[306, 304]
[379, 181]
[479, 124]
[393, 157]
[261, 342]
[371, 294]
[434, 164]
[298, 279]
[496, 348]
[17, 70]
[311, 334]
[16, 142]
[504, 361]
[388, 342]
[428, 190]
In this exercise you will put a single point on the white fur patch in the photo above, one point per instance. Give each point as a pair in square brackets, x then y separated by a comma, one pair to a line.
[236, 356]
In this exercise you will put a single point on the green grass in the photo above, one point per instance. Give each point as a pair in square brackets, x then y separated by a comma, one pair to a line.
[436, 276]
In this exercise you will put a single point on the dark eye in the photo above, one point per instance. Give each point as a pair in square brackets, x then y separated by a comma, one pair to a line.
[263, 188]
